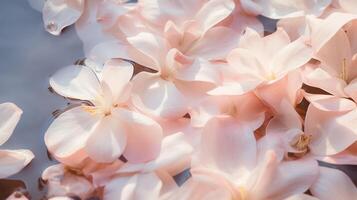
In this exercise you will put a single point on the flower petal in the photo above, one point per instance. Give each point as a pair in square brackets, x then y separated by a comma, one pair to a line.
[12, 161]
[69, 132]
[208, 47]
[213, 12]
[332, 132]
[107, 142]
[58, 14]
[156, 96]
[9, 116]
[75, 81]
[117, 74]
[271, 180]
[174, 149]
[144, 136]
[138, 186]
[150, 45]
[223, 139]
[333, 184]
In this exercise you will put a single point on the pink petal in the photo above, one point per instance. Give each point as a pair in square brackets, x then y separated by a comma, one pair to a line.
[223, 138]
[139, 186]
[346, 157]
[156, 96]
[13, 161]
[174, 149]
[58, 14]
[330, 103]
[351, 89]
[333, 184]
[271, 180]
[9, 116]
[284, 9]
[301, 197]
[328, 28]
[319, 78]
[291, 57]
[348, 5]
[287, 88]
[150, 45]
[75, 81]
[107, 142]
[197, 70]
[208, 47]
[332, 132]
[213, 12]
[117, 74]
[69, 132]
[294, 26]
[144, 136]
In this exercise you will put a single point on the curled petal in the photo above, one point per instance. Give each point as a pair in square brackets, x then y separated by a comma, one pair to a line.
[58, 14]
[9, 116]
[12, 161]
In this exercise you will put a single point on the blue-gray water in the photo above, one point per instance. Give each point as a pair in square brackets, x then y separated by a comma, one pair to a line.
[28, 56]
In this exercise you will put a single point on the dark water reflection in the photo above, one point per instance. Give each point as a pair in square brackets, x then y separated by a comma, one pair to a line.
[28, 56]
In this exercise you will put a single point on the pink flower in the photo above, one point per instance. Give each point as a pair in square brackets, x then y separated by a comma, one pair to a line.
[105, 127]
[336, 71]
[229, 165]
[11, 161]
[265, 65]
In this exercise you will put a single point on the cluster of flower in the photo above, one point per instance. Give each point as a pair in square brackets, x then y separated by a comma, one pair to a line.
[184, 100]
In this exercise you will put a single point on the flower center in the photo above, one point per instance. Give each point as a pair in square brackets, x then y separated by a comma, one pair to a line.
[302, 142]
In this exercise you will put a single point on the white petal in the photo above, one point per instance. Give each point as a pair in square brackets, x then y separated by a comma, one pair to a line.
[158, 97]
[12, 161]
[78, 82]
[333, 184]
[58, 14]
[69, 132]
[9, 116]
[140, 186]
[107, 142]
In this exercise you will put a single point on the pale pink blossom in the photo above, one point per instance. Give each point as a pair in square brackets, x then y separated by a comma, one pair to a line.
[11, 161]
[179, 42]
[229, 165]
[105, 127]
[265, 65]
[335, 44]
